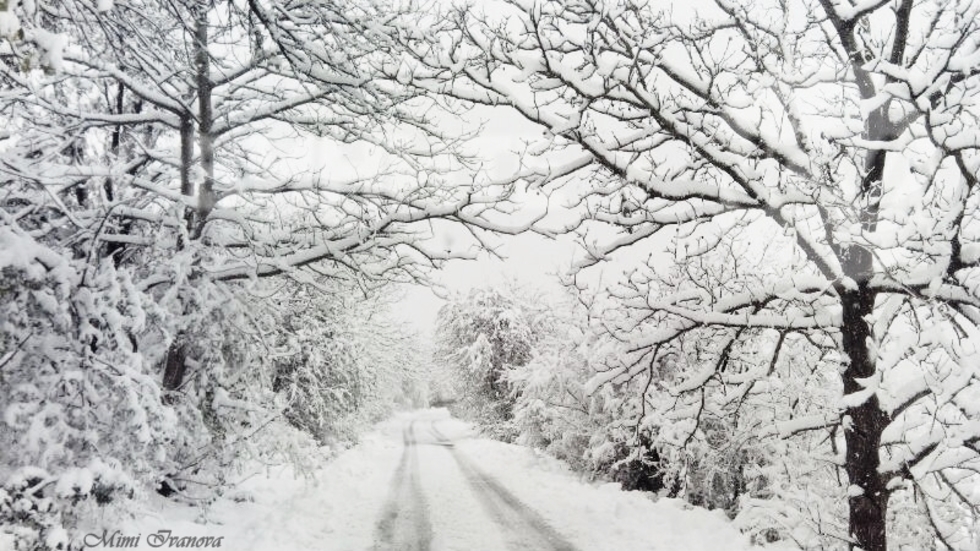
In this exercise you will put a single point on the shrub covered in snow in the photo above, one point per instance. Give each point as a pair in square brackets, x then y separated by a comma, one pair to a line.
[481, 339]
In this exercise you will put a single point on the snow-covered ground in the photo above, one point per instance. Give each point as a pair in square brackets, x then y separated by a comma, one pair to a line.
[424, 481]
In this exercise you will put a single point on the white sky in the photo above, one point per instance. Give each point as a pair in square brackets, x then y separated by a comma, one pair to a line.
[532, 261]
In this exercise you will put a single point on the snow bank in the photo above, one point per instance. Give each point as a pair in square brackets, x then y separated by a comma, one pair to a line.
[603, 517]
[279, 509]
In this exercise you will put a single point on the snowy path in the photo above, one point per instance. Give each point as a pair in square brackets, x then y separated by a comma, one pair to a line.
[405, 522]
[405, 525]
[423, 481]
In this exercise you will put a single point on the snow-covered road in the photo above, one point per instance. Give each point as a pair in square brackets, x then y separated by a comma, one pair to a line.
[405, 524]
[424, 481]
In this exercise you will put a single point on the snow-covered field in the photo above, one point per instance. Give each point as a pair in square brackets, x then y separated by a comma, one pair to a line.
[423, 480]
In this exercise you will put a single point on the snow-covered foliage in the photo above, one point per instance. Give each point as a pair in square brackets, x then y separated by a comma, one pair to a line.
[339, 362]
[79, 399]
[179, 292]
[845, 135]
[87, 421]
[552, 411]
[742, 418]
[481, 339]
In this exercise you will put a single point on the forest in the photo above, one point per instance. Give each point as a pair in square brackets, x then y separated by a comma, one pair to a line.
[788, 190]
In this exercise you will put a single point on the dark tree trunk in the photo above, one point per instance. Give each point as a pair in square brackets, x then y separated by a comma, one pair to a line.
[114, 249]
[868, 509]
[862, 436]
[175, 368]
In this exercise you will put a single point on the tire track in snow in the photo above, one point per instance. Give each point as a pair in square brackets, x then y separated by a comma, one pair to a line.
[404, 524]
[525, 529]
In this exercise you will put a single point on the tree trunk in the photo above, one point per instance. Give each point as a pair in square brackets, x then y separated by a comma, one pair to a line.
[175, 368]
[205, 116]
[114, 249]
[863, 434]
[186, 185]
[176, 363]
[868, 495]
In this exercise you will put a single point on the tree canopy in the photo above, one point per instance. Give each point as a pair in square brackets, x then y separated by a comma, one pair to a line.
[840, 137]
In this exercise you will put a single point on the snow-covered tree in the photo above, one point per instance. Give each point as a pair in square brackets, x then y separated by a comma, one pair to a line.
[844, 132]
[481, 338]
[339, 359]
[150, 181]
[601, 432]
